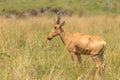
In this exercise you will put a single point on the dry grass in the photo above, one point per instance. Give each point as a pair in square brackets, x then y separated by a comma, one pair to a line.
[25, 53]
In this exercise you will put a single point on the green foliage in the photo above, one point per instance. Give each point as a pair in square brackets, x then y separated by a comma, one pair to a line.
[82, 7]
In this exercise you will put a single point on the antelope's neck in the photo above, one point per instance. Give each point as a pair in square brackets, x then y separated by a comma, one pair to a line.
[64, 35]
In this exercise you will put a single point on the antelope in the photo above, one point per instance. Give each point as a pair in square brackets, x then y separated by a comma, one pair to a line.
[78, 43]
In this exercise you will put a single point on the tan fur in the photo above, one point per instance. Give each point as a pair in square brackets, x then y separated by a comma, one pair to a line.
[78, 44]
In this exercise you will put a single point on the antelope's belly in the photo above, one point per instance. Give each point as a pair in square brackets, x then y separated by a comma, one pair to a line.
[83, 51]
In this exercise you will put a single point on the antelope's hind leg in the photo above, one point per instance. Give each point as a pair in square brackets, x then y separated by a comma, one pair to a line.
[96, 60]
[99, 61]
[101, 57]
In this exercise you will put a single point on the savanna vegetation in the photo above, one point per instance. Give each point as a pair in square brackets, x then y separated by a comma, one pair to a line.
[26, 54]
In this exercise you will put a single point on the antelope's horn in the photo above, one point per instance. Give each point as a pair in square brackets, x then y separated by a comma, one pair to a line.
[59, 16]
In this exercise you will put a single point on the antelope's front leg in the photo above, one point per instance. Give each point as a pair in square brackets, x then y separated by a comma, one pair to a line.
[73, 56]
[79, 58]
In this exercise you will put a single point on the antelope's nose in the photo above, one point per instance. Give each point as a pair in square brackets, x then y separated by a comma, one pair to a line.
[48, 38]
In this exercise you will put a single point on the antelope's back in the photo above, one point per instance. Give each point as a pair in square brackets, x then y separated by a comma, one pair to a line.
[88, 42]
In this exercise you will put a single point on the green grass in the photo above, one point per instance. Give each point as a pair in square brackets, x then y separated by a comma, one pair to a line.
[81, 7]
[26, 54]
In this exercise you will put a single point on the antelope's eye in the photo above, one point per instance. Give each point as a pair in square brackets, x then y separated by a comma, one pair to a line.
[55, 27]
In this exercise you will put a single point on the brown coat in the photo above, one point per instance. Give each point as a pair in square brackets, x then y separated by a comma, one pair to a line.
[82, 43]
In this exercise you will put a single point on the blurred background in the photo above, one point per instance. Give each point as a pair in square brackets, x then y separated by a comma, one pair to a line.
[68, 7]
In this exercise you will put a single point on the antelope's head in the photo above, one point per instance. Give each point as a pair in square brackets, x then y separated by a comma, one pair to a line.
[57, 29]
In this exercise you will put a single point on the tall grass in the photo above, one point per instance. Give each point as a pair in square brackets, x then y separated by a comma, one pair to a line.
[25, 53]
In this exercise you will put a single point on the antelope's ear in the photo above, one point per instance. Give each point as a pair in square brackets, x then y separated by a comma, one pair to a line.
[62, 24]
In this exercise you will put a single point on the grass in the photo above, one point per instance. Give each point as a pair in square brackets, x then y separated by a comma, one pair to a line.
[25, 53]
[81, 7]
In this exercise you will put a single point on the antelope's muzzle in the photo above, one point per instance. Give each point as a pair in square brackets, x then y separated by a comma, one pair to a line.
[49, 38]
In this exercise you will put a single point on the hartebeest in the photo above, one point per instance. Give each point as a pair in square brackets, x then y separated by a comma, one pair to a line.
[78, 44]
